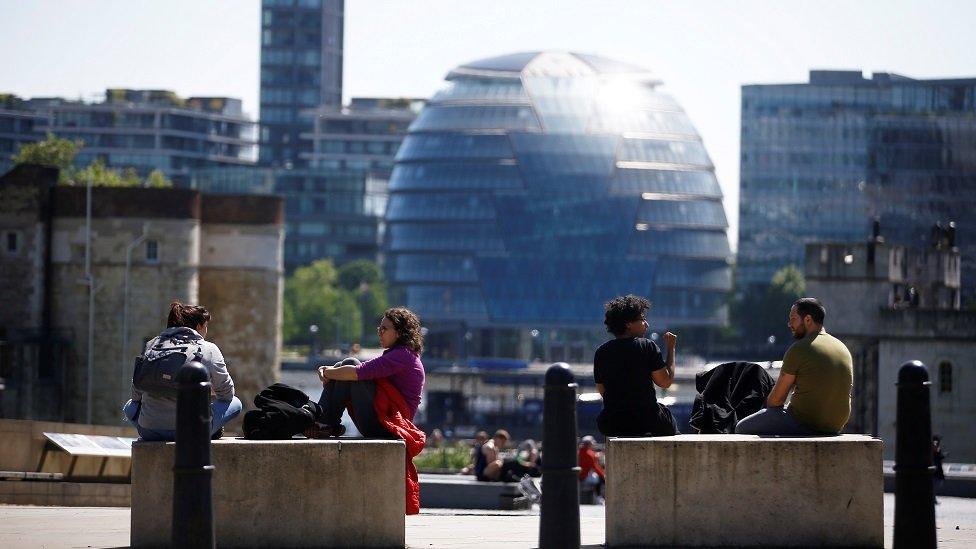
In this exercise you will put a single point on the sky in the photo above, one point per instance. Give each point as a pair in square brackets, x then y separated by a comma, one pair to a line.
[704, 51]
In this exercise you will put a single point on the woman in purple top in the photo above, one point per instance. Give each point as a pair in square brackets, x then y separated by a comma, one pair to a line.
[351, 382]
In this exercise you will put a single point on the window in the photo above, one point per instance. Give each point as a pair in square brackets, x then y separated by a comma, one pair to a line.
[11, 242]
[152, 251]
[945, 377]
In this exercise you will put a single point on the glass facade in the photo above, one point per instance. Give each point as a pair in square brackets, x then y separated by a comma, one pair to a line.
[534, 187]
[820, 161]
[142, 129]
[334, 207]
[18, 126]
[301, 69]
[364, 135]
[330, 213]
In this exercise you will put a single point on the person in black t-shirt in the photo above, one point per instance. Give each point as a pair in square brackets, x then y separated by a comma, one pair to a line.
[627, 368]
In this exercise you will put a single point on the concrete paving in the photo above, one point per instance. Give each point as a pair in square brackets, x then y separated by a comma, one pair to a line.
[100, 527]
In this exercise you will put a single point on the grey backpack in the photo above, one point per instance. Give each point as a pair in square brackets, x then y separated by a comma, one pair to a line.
[155, 371]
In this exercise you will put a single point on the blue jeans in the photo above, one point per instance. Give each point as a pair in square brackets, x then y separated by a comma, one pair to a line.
[221, 412]
[774, 421]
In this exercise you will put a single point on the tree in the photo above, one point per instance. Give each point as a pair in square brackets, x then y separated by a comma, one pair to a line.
[761, 312]
[354, 273]
[103, 176]
[53, 152]
[158, 180]
[312, 297]
[60, 153]
[365, 280]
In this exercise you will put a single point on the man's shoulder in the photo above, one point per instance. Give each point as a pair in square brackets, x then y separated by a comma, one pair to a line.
[834, 346]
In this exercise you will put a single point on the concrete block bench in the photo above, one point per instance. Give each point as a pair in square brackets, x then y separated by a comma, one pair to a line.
[465, 492]
[741, 490]
[286, 493]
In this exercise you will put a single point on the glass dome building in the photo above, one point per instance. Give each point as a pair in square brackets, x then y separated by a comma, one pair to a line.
[536, 186]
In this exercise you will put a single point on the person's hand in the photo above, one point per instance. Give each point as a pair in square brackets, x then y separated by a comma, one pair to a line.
[670, 340]
[322, 377]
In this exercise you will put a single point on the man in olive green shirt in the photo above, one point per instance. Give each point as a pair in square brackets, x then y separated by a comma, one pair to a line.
[819, 370]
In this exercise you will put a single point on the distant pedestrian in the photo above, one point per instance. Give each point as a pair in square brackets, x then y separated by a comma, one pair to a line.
[627, 368]
[526, 461]
[478, 461]
[591, 472]
[938, 457]
[491, 452]
[436, 439]
[818, 369]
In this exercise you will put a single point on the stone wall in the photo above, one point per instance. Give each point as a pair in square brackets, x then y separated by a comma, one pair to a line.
[24, 195]
[152, 285]
[953, 411]
[882, 331]
[222, 252]
[241, 284]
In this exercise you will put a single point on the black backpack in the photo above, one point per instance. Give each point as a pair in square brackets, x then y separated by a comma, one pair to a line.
[283, 411]
[155, 371]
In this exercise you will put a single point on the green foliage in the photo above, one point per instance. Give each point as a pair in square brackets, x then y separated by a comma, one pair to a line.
[357, 272]
[321, 295]
[53, 152]
[787, 283]
[760, 313]
[313, 298]
[60, 153]
[157, 180]
[365, 280]
[10, 100]
[451, 458]
[103, 176]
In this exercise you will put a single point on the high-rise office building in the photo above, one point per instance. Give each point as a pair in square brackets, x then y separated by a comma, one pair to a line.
[821, 160]
[335, 206]
[301, 69]
[142, 129]
[364, 135]
[536, 186]
[18, 126]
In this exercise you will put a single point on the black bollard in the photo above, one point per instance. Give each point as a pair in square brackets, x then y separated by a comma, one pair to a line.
[559, 525]
[193, 521]
[914, 495]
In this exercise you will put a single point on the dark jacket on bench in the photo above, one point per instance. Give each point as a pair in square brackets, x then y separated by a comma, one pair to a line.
[728, 393]
[282, 411]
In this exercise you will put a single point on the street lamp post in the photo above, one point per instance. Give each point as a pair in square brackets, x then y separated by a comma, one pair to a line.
[313, 330]
[90, 281]
[363, 296]
[125, 306]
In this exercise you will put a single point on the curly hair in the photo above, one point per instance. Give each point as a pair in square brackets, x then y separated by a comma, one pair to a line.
[407, 326]
[623, 309]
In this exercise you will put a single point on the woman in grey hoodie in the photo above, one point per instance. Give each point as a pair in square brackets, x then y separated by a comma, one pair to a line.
[154, 416]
